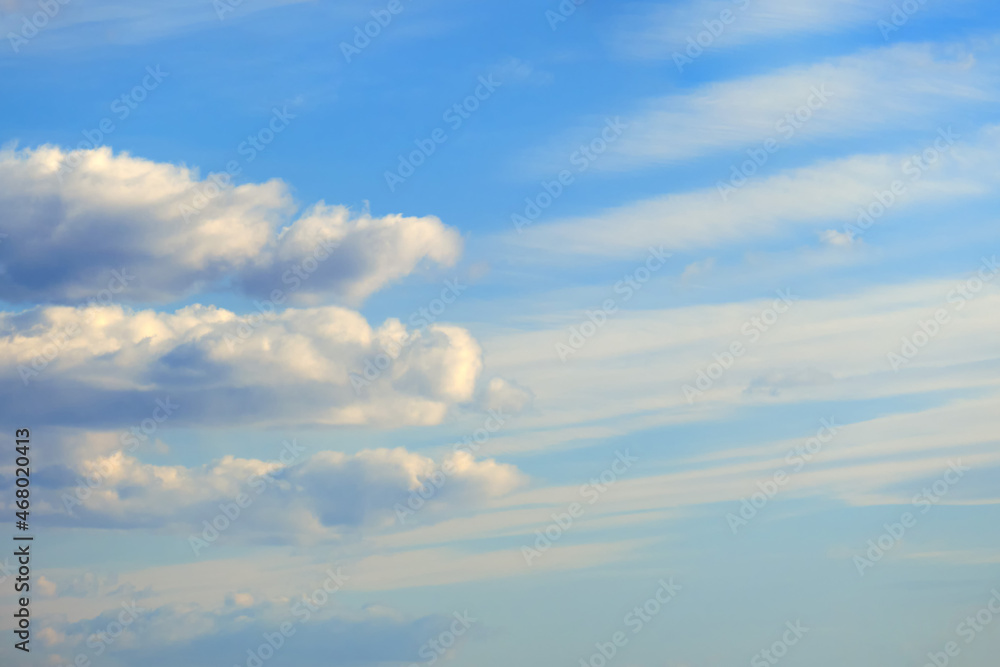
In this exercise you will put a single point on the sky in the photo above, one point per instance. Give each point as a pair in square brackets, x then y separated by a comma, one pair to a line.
[416, 332]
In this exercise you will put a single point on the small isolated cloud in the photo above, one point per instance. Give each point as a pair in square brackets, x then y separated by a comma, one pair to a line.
[842, 239]
[515, 70]
[775, 382]
[45, 586]
[51, 637]
[695, 269]
[240, 600]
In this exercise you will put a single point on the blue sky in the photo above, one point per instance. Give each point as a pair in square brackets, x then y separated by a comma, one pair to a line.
[639, 334]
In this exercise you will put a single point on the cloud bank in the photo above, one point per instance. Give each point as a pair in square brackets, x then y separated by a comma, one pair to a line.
[108, 366]
[73, 217]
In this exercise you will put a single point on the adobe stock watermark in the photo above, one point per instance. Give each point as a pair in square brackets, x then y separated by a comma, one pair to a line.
[255, 144]
[923, 501]
[970, 628]
[455, 115]
[779, 648]
[635, 620]
[57, 341]
[435, 648]
[562, 12]
[753, 328]
[231, 511]
[582, 158]
[927, 330]
[102, 640]
[591, 492]
[32, 25]
[122, 107]
[595, 320]
[224, 7]
[900, 16]
[5, 570]
[429, 488]
[364, 34]
[420, 320]
[913, 168]
[714, 28]
[294, 277]
[302, 610]
[796, 459]
[787, 127]
[129, 441]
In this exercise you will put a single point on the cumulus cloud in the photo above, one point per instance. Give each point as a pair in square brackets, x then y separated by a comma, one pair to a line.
[296, 496]
[364, 488]
[74, 217]
[106, 366]
[366, 253]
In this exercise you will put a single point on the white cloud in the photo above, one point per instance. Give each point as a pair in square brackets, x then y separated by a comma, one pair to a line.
[839, 239]
[660, 30]
[506, 396]
[695, 269]
[880, 461]
[96, 23]
[101, 365]
[46, 587]
[516, 71]
[771, 205]
[296, 497]
[367, 253]
[891, 88]
[630, 375]
[73, 217]
[365, 488]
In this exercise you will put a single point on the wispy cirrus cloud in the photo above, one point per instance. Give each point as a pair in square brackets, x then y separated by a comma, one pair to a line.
[829, 194]
[823, 350]
[892, 89]
[659, 30]
[82, 26]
